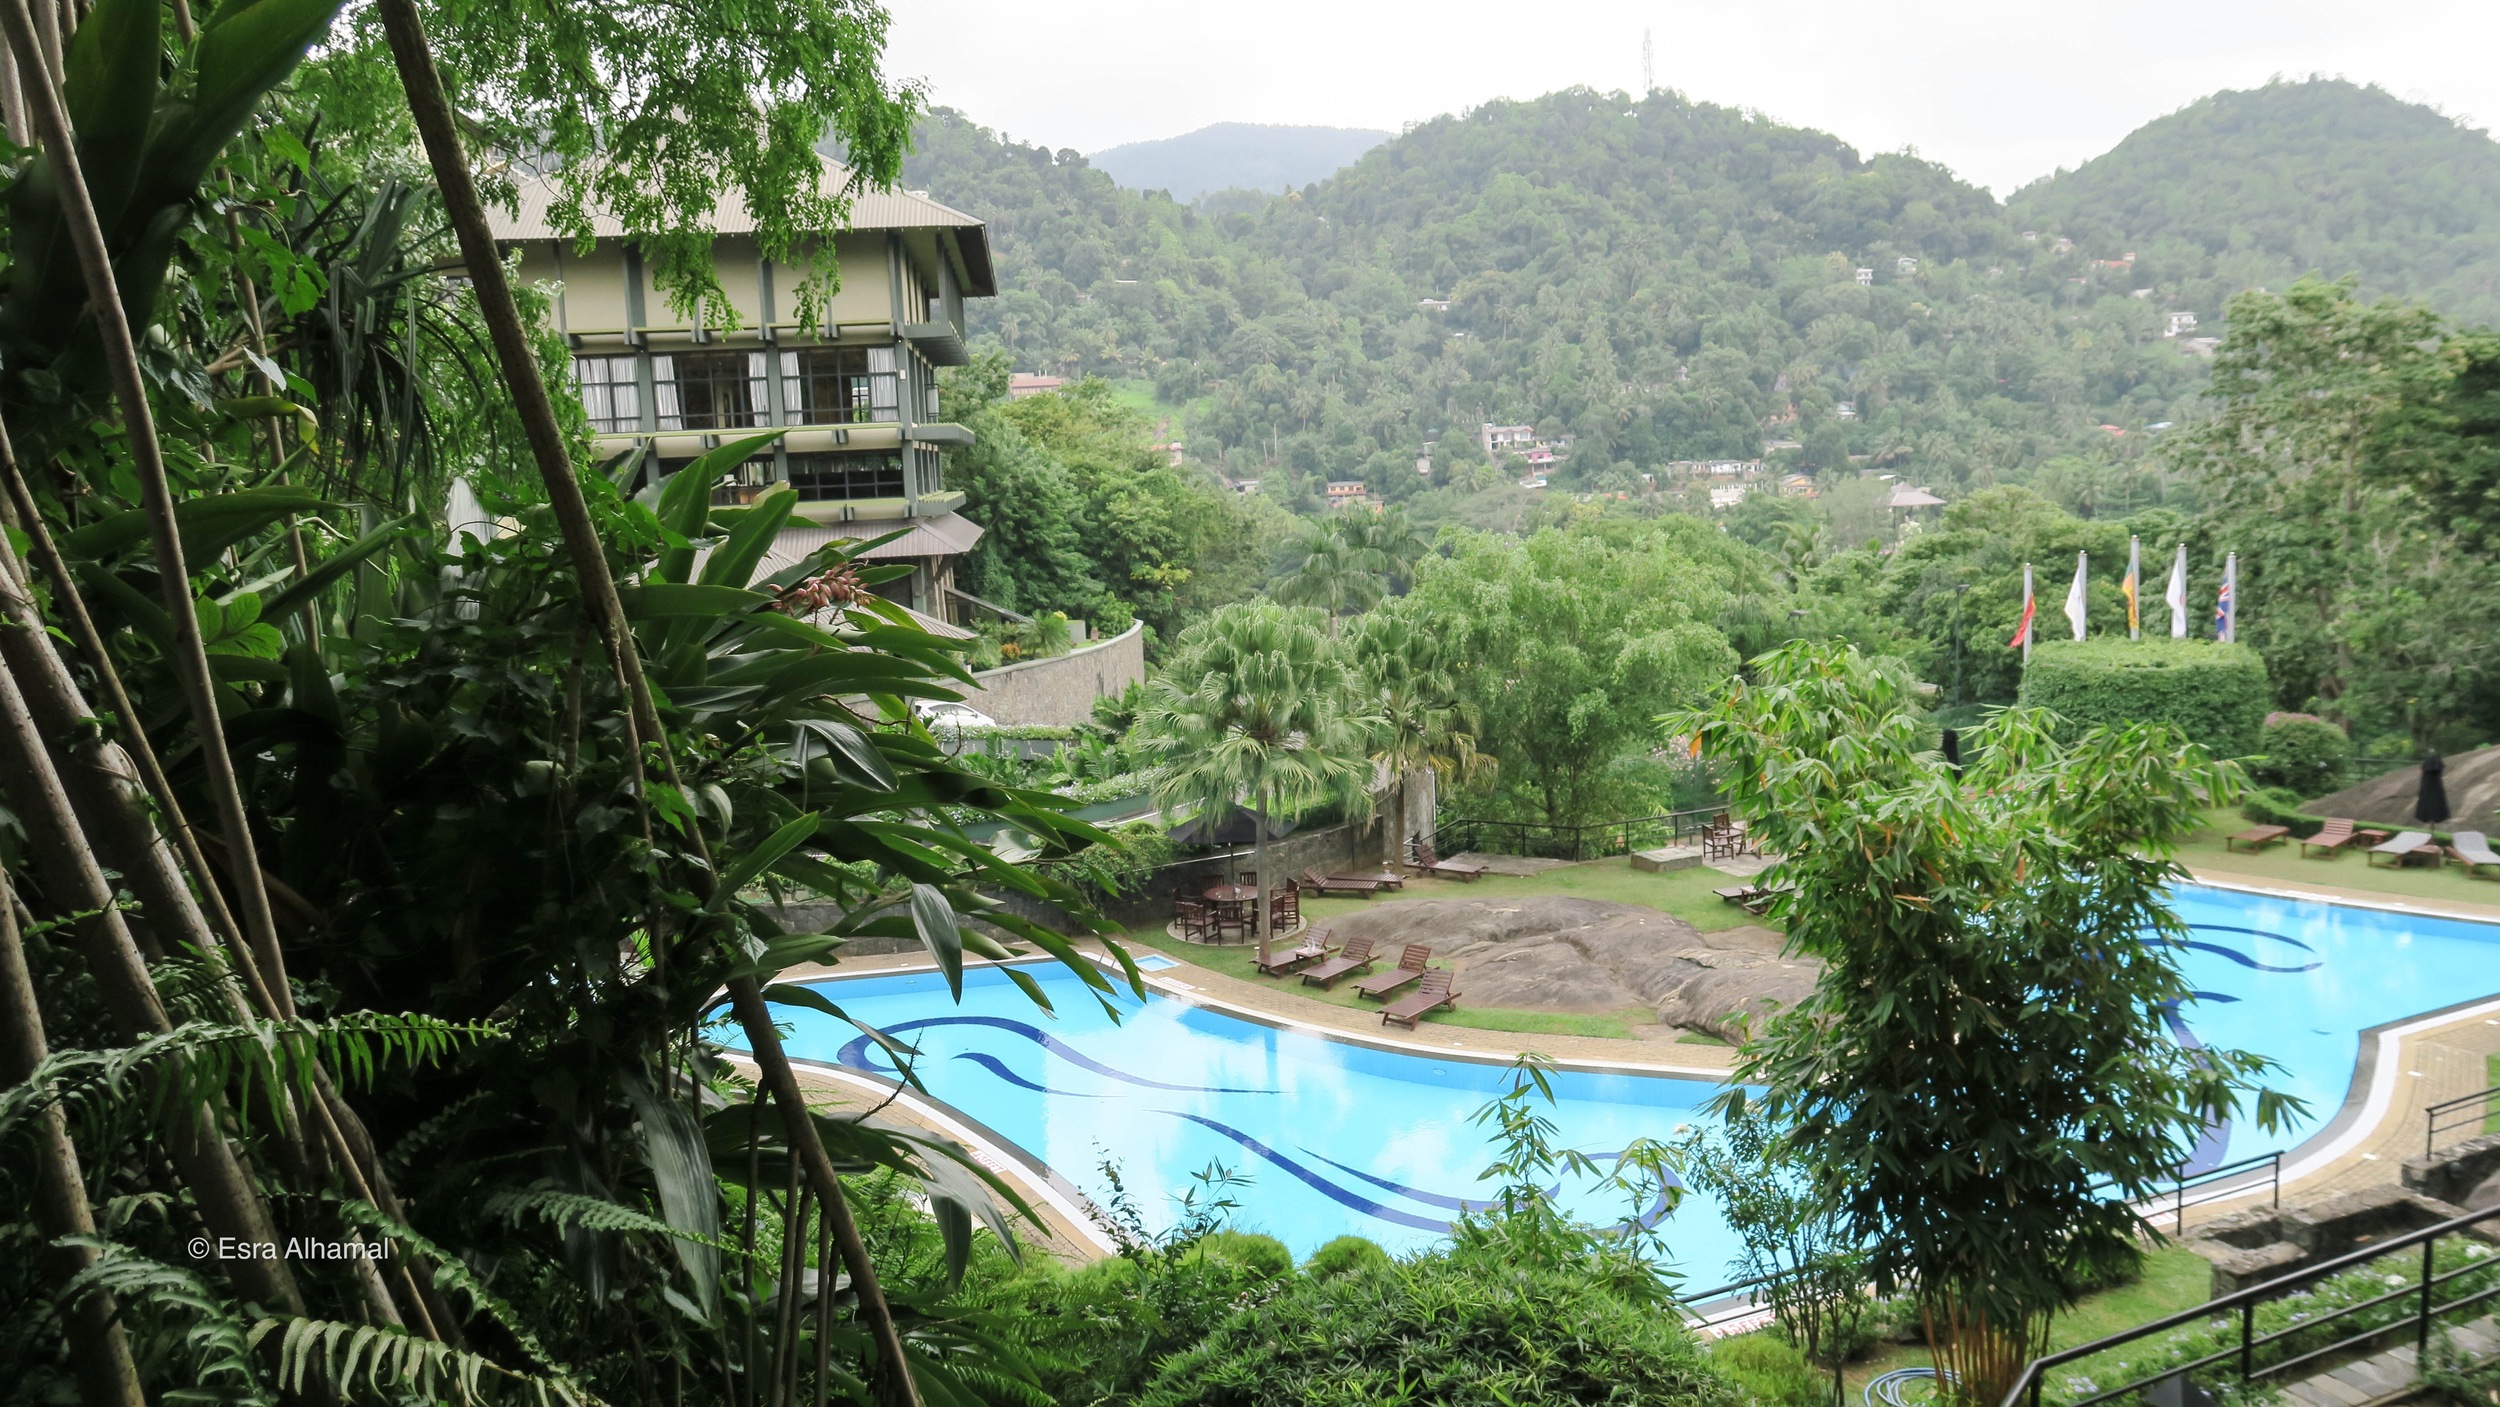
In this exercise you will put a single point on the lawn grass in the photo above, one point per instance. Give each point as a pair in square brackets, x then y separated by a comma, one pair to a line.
[2349, 869]
[1237, 960]
[1683, 893]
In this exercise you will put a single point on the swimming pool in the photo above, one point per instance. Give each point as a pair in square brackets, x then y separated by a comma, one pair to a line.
[1337, 1137]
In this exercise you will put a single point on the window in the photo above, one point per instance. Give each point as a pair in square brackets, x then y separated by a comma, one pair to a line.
[822, 478]
[709, 390]
[838, 385]
[609, 393]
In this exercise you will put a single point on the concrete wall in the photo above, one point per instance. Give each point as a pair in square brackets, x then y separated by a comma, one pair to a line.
[1061, 690]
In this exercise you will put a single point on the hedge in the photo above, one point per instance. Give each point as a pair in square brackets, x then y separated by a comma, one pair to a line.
[2214, 693]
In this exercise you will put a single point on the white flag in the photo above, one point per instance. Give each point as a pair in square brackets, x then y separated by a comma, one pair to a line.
[2074, 598]
[2177, 595]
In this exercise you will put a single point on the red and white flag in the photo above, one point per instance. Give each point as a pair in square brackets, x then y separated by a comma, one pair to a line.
[2031, 607]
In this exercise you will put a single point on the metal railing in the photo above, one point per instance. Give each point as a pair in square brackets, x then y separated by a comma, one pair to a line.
[2478, 1109]
[2230, 1181]
[2411, 1307]
[1595, 840]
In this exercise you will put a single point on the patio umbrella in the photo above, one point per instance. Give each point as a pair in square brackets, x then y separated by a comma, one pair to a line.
[1235, 829]
[2432, 808]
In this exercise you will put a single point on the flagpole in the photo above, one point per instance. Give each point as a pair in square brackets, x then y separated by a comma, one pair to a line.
[2135, 587]
[2028, 630]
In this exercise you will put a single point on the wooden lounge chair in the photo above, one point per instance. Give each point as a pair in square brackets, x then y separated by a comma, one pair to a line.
[1741, 895]
[2256, 838]
[1356, 954]
[1411, 964]
[2330, 839]
[1283, 962]
[1433, 864]
[1339, 884]
[2472, 849]
[1433, 991]
[2403, 848]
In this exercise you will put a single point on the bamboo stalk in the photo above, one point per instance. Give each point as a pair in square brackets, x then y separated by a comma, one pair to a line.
[430, 107]
[107, 1376]
[189, 657]
[215, 1175]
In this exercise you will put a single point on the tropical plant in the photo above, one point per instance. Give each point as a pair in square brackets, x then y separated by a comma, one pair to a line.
[1408, 680]
[1335, 570]
[1256, 708]
[1795, 1238]
[1986, 1055]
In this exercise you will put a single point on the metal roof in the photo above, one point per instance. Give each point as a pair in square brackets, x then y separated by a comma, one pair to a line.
[1907, 497]
[946, 535]
[870, 210]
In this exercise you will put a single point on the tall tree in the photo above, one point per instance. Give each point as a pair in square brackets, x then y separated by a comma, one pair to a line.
[1987, 1052]
[1256, 708]
[1407, 678]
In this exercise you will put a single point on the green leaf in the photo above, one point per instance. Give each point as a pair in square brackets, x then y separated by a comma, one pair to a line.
[674, 600]
[681, 1171]
[935, 920]
[763, 857]
[296, 593]
[207, 526]
[686, 500]
[109, 78]
[733, 563]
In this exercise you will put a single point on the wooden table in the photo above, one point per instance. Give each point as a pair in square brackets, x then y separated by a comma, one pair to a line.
[1232, 893]
[1233, 907]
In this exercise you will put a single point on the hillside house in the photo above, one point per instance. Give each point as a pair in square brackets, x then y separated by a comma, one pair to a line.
[1866, 278]
[1026, 383]
[2181, 324]
[1344, 491]
[855, 385]
[1506, 439]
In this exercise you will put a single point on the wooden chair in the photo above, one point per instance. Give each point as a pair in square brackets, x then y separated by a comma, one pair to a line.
[1433, 864]
[1197, 924]
[1431, 992]
[2256, 838]
[1284, 909]
[1356, 956]
[2331, 838]
[1411, 966]
[1339, 884]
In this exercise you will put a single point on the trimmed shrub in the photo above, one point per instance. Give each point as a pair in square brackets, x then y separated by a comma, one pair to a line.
[1344, 1254]
[1260, 1257]
[2305, 754]
[2216, 694]
[1771, 1370]
[2278, 806]
[1450, 1330]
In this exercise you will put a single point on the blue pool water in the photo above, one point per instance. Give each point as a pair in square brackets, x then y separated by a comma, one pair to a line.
[1338, 1138]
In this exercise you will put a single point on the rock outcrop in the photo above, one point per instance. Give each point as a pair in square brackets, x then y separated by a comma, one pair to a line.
[1589, 955]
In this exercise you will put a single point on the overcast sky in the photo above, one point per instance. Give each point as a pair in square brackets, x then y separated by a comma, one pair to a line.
[2004, 92]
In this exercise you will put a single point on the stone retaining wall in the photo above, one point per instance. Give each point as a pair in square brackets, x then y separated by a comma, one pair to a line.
[1061, 690]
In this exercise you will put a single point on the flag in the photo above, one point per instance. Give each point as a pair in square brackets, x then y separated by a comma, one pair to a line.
[2135, 577]
[2227, 604]
[2031, 607]
[2177, 595]
[2074, 598]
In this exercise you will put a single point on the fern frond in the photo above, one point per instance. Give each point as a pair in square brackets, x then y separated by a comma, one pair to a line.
[388, 1364]
[450, 1272]
[564, 1211]
[215, 1343]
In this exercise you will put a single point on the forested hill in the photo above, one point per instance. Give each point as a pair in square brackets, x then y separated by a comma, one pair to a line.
[2254, 188]
[1247, 156]
[1660, 279]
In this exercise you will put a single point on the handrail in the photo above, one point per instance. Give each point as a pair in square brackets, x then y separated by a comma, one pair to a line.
[2177, 1198]
[2432, 1126]
[2026, 1389]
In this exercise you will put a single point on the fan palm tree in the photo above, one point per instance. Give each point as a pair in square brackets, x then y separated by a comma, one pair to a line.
[1337, 572]
[1409, 679]
[1257, 708]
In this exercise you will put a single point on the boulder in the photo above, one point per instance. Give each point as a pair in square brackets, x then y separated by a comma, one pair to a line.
[1590, 955]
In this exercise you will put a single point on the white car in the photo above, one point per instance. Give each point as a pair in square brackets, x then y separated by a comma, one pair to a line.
[952, 717]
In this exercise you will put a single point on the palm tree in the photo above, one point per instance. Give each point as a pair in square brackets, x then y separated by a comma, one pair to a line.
[1409, 679]
[1256, 708]
[1337, 572]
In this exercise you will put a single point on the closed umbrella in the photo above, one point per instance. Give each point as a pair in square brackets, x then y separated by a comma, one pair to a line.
[1953, 750]
[2432, 808]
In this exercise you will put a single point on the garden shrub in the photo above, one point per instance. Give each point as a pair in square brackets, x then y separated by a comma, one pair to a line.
[2215, 694]
[2302, 753]
[2278, 806]
[1344, 1254]
[1262, 1257]
[1447, 1328]
[1771, 1370]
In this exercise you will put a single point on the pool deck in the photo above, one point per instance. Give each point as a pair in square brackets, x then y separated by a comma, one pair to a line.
[2404, 1066]
[2416, 1062]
